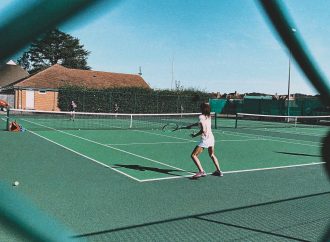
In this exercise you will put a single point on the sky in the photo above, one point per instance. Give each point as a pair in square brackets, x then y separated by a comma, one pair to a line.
[210, 45]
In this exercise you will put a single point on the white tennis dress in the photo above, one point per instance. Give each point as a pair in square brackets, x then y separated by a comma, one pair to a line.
[207, 138]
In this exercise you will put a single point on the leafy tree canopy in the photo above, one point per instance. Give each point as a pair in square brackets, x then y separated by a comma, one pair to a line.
[55, 47]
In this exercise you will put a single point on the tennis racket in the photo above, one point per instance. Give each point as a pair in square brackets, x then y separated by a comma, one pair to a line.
[171, 127]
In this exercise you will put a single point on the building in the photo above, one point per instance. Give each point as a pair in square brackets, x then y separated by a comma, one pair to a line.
[10, 73]
[40, 91]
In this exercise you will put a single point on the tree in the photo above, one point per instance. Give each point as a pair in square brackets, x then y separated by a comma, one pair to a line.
[55, 47]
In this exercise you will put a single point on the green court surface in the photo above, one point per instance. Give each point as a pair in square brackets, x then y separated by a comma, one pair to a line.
[134, 185]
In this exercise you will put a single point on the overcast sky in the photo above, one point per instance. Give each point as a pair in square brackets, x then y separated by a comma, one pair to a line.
[213, 45]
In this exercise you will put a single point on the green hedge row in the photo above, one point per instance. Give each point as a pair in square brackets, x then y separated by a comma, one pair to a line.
[132, 100]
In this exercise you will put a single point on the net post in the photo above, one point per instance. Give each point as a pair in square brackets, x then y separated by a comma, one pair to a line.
[7, 120]
[131, 122]
[236, 120]
[215, 120]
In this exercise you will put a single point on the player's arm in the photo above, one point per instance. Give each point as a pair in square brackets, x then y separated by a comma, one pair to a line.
[198, 133]
[192, 125]
[201, 131]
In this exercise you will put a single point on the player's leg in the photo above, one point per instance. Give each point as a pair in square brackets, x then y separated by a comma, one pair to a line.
[215, 161]
[194, 155]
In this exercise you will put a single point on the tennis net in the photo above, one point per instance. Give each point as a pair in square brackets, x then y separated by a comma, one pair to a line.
[246, 120]
[51, 120]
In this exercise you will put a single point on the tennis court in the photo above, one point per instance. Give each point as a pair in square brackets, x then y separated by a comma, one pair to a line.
[133, 184]
[128, 183]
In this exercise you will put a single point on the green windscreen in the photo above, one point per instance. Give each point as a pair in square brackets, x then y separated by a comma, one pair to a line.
[217, 105]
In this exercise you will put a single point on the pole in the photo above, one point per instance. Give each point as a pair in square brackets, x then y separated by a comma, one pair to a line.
[8, 120]
[172, 72]
[289, 79]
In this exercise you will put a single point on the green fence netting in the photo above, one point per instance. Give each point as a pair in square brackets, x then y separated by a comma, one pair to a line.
[311, 106]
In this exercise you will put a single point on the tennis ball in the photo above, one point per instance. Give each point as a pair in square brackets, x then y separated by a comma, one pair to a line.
[16, 183]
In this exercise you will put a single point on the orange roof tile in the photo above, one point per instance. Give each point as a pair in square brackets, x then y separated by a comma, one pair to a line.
[58, 76]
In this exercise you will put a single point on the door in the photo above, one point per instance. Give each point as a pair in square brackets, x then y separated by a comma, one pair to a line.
[29, 99]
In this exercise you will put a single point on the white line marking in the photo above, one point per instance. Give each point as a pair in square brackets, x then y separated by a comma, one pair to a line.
[153, 143]
[183, 142]
[169, 136]
[87, 157]
[274, 168]
[165, 178]
[239, 140]
[239, 171]
[124, 151]
[176, 177]
[264, 137]
[288, 131]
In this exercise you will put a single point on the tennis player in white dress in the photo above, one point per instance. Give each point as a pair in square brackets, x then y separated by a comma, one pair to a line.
[206, 142]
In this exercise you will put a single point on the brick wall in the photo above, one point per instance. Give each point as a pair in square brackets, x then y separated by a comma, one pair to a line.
[43, 100]
[20, 99]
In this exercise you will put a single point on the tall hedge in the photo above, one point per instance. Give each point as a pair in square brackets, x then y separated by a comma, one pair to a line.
[131, 100]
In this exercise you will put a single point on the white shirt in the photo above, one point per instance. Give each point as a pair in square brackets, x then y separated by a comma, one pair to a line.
[207, 138]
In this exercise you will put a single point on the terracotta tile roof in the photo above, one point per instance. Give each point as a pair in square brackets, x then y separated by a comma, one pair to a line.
[58, 76]
[10, 73]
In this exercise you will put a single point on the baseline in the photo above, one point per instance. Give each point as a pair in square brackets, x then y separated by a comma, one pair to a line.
[241, 171]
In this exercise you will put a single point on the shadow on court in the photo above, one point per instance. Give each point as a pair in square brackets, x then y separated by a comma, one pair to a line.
[218, 217]
[297, 154]
[148, 168]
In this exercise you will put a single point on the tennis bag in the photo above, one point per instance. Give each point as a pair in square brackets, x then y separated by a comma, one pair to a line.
[15, 127]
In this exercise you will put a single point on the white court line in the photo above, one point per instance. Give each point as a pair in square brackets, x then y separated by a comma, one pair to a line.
[124, 151]
[237, 140]
[163, 135]
[85, 156]
[166, 178]
[95, 142]
[288, 132]
[266, 138]
[169, 142]
[149, 143]
[239, 171]
[275, 168]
